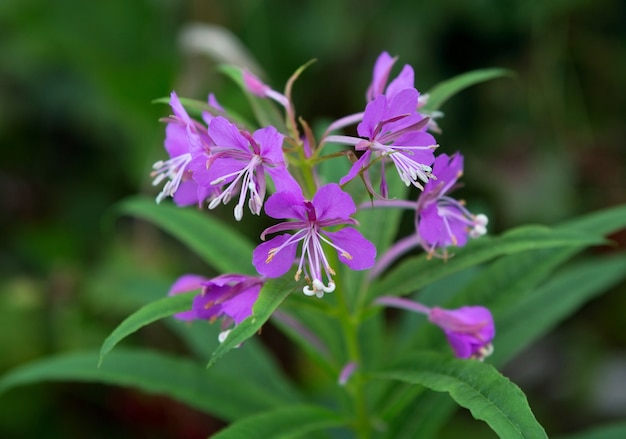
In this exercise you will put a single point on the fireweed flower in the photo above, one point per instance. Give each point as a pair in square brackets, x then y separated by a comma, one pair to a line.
[469, 329]
[378, 86]
[185, 140]
[238, 163]
[186, 284]
[380, 76]
[329, 207]
[392, 129]
[229, 297]
[405, 79]
[218, 110]
[441, 220]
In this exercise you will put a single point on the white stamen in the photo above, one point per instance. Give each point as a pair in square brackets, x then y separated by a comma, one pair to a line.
[484, 352]
[218, 181]
[245, 179]
[173, 170]
[227, 195]
[410, 171]
[222, 335]
[255, 203]
[238, 212]
[319, 288]
[214, 203]
[308, 291]
[481, 219]
[480, 223]
[478, 231]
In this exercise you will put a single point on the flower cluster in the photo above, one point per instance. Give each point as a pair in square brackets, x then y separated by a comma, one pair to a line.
[220, 160]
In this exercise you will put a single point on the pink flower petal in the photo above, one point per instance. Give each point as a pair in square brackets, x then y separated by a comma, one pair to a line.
[332, 203]
[361, 252]
[280, 263]
[227, 135]
[286, 204]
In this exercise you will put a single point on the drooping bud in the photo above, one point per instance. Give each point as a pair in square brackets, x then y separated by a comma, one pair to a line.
[469, 330]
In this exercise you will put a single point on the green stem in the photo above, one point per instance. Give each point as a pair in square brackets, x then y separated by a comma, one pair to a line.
[355, 386]
[309, 182]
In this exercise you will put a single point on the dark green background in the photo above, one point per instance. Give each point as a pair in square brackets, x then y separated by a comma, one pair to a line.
[78, 132]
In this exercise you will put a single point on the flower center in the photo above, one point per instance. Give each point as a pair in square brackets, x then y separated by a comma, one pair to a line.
[243, 179]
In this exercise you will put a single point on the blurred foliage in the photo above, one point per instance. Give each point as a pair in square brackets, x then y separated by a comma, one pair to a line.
[78, 133]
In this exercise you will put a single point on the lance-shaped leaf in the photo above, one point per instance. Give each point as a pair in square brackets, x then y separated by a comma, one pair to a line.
[309, 329]
[216, 243]
[271, 296]
[446, 89]
[416, 272]
[254, 361]
[603, 221]
[553, 302]
[224, 395]
[283, 423]
[504, 285]
[145, 315]
[477, 386]
[610, 431]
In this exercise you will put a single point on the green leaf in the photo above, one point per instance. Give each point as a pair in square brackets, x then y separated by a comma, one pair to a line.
[501, 285]
[477, 386]
[602, 222]
[553, 302]
[271, 296]
[614, 431]
[314, 332]
[283, 423]
[147, 314]
[227, 396]
[264, 109]
[509, 278]
[253, 360]
[446, 89]
[416, 272]
[216, 243]
[424, 417]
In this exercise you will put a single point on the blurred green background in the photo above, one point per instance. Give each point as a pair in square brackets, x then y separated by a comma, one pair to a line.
[78, 133]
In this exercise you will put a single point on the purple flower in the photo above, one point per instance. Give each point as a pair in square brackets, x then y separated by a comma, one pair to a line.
[392, 129]
[229, 297]
[238, 164]
[185, 284]
[217, 109]
[406, 79]
[440, 220]
[382, 69]
[185, 140]
[329, 207]
[469, 330]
